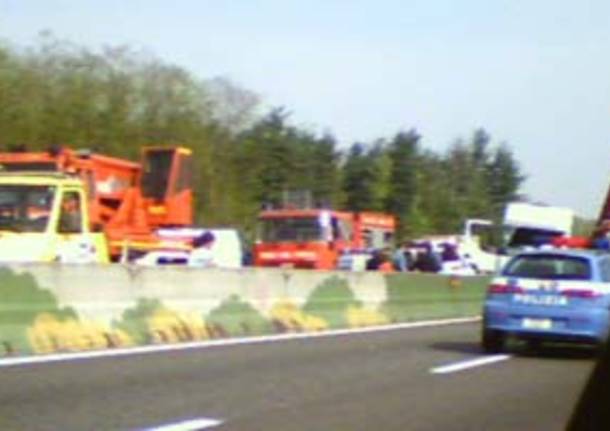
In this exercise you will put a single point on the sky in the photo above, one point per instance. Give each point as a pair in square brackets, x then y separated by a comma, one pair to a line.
[535, 74]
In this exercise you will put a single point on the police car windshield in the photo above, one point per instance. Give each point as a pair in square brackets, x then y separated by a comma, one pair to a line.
[25, 208]
[547, 266]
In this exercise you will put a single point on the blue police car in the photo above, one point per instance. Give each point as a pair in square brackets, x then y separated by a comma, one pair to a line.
[549, 295]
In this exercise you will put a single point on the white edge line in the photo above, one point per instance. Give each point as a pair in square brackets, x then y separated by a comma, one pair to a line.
[471, 363]
[188, 425]
[63, 357]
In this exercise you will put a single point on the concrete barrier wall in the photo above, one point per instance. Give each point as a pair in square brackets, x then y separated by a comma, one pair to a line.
[53, 308]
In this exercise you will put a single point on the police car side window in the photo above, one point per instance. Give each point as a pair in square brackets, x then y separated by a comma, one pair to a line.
[605, 270]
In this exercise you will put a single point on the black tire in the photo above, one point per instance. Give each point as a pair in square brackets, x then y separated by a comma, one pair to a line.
[492, 341]
[600, 347]
[533, 345]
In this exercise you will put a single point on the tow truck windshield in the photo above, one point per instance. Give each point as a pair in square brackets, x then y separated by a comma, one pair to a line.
[25, 208]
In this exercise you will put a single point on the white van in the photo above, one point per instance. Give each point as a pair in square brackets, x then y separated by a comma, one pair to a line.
[227, 249]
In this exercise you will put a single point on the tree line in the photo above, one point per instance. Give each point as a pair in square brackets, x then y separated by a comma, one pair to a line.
[115, 100]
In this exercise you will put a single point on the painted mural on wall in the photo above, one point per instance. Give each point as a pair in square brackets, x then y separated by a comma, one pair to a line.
[427, 296]
[21, 303]
[32, 322]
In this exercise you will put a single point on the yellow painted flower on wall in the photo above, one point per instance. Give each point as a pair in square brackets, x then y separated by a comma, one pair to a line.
[167, 326]
[48, 334]
[292, 319]
[358, 317]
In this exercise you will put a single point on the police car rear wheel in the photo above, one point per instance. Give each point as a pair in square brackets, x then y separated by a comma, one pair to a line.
[492, 341]
[533, 345]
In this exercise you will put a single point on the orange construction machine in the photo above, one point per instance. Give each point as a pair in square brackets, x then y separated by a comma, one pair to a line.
[317, 238]
[124, 200]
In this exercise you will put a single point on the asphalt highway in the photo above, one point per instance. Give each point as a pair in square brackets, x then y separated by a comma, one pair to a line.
[392, 380]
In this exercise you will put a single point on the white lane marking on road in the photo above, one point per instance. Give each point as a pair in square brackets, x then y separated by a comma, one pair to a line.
[470, 363]
[65, 357]
[188, 425]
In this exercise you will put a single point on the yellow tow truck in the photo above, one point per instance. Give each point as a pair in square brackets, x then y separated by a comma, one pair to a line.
[44, 217]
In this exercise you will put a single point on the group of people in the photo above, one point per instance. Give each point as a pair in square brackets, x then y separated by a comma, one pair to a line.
[409, 256]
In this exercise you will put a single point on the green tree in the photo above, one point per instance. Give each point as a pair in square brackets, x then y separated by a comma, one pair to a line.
[323, 169]
[504, 179]
[403, 153]
[362, 177]
[116, 100]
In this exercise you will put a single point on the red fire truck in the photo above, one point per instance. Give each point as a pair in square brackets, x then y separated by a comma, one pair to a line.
[316, 238]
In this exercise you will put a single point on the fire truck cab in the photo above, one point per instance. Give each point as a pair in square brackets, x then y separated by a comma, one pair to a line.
[316, 238]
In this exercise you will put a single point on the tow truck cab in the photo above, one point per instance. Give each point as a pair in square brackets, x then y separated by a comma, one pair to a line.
[44, 218]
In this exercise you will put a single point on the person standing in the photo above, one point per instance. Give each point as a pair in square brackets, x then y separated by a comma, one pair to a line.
[380, 261]
[428, 260]
[202, 256]
[401, 256]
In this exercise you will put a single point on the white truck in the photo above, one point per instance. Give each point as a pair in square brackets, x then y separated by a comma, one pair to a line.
[227, 250]
[532, 225]
[524, 225]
